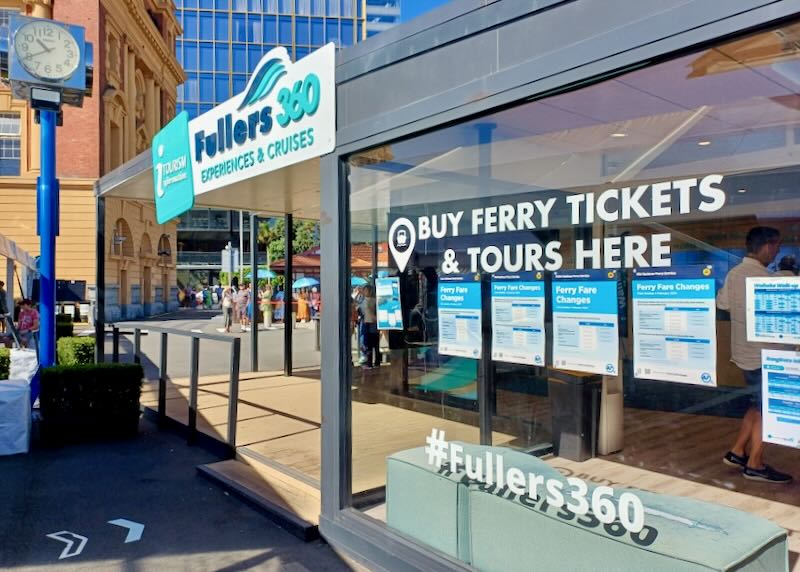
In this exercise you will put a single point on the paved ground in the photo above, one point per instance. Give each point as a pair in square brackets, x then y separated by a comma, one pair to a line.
[190, 524]
[214, 356]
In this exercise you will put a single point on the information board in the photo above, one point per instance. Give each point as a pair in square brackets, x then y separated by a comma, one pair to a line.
[518, 310]
[585, 321]
[773, 309]
[390, 313]
[780, 403]
[459, 298]
[674, 324]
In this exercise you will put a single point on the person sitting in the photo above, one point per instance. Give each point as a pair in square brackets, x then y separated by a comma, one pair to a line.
[28, 323]
[27, 326]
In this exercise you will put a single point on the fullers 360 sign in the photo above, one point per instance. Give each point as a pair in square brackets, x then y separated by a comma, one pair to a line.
[642, 202]
[285, 115]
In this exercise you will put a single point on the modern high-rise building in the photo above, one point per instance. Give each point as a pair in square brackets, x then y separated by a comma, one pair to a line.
[222, 42]
[382, 15]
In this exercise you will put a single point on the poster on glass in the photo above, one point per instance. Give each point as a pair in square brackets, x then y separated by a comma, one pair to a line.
[585, 321]
[674, 324]
[518, 311]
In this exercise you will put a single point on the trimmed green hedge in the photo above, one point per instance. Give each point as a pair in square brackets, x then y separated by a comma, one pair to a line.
[75, 350]
[80, 402]
[5, 362]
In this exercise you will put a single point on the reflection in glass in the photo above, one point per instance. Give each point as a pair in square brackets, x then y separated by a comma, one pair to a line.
[730, 110]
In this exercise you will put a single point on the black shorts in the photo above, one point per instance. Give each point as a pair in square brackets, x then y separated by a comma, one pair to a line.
[752, 377]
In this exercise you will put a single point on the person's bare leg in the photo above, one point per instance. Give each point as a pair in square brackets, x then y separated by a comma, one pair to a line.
[756, 460]
[746, 432]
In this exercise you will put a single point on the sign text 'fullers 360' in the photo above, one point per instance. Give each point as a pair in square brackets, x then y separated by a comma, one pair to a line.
[650, 201]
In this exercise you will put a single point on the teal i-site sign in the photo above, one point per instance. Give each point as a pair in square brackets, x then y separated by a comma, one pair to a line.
[285, 115]
[172, 169]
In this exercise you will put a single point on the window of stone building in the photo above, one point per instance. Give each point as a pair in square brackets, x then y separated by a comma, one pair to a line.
[9, 144]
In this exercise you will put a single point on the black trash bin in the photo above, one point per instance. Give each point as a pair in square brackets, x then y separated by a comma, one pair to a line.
[575, 412]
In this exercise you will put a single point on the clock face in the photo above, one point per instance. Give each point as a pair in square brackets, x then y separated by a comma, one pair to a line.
[46, 50]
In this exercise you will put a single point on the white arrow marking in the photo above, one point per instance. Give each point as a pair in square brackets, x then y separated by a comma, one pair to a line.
[135, 529]
[70, 538]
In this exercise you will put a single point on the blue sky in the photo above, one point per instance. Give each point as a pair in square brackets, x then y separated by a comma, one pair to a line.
[413, 8]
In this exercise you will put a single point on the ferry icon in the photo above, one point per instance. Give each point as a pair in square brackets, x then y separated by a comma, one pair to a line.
[402, 237]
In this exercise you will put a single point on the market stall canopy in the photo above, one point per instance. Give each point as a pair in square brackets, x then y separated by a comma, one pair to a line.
[10, 250]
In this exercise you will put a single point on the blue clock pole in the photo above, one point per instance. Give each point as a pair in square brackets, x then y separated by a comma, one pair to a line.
[47, 218]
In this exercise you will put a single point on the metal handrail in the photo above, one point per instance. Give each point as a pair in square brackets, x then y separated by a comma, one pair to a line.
[194, 372]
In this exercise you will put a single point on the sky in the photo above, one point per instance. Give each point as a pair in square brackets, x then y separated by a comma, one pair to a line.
[413, 8]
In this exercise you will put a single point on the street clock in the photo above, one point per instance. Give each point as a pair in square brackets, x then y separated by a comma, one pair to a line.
[47, 50]
[46, 62]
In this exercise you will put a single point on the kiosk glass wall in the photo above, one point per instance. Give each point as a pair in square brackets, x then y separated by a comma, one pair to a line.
[661, 169]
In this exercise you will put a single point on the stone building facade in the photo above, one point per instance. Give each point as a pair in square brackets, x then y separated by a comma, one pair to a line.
[135, 83]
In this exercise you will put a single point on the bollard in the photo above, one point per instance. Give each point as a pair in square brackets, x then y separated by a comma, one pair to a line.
[162, 382]
[233, 395]
[194, 376]
[115, 344]
[137, 345]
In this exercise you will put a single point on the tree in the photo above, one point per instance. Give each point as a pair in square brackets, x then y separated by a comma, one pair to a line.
[271, 234]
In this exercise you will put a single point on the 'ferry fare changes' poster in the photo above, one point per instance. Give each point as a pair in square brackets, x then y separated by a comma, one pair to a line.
[674, 324]
[518, 312]
[585, 321]
[460, 315]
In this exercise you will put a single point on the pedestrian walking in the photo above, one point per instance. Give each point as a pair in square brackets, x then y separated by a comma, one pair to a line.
[227, 309]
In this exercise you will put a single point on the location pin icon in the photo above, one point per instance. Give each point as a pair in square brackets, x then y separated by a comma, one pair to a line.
[402, 238]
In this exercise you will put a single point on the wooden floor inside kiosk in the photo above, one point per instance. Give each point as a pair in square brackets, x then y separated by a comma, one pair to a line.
[680, 454]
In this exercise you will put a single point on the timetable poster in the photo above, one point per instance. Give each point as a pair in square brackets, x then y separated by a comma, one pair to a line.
[674, 324]
[773, 309]
[585, 321]
[780, 404]
[390, 313]
[518, 312]
[459, 298]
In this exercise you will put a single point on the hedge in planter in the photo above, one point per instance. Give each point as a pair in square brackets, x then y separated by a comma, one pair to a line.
[75, 351]
[5, 362]
[90, 401]
[64, 327]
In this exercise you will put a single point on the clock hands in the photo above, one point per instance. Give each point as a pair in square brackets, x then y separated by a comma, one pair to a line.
[45, 51]
[41, 43]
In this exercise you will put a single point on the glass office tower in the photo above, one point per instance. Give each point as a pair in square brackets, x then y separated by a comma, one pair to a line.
[382, 15]
[222, 42]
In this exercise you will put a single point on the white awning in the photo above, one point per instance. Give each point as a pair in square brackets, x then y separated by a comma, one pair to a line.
[10, 250]
[291, 190]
